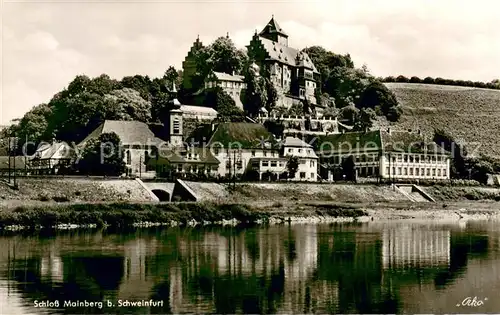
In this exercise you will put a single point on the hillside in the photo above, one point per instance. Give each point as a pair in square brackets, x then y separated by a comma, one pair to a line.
[471, 114]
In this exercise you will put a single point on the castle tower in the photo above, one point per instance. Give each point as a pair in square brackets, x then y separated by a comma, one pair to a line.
[176, 121]
[189, 64]
[274, 32]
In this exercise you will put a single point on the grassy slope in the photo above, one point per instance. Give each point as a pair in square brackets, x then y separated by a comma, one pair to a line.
[70, 190]
[467, 113]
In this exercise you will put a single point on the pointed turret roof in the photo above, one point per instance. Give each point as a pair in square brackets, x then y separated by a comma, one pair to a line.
[273, 27]
[175, 101]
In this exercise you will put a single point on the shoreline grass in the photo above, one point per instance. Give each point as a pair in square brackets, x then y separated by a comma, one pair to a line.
[128, 214]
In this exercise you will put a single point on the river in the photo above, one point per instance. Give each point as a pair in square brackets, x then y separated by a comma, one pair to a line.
[376, 267]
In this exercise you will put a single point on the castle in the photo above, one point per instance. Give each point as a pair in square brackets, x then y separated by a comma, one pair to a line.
[291, 71]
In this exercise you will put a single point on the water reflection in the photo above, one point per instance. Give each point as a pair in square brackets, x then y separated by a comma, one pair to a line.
[349, 268]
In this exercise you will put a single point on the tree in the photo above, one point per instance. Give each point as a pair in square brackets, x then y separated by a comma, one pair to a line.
[173, 76]
[256, 92]
[271, 94]
[364, 120]
[345, 85]
[127, 104]
[402, 79]
[221, 56]
[459, 168]
[480, 169]
[349, 168]
[378, 95]
[349, 114]
[226, 106]
[292, 166]
[325, 61]
[141, 84]
[103, 156]
[34, 124]
[429, 80]
[415, 80]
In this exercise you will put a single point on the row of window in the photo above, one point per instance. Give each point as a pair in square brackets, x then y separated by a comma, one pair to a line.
[410, 158]
[226, 84]
[189, 169]
[269, 163]
[410, 171]
[362, 158]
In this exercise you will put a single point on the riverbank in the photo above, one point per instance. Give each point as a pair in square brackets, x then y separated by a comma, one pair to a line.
[120, 215]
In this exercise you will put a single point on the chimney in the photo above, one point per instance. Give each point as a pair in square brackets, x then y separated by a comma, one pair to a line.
[233, 73]
[419, 132]
[389, 131]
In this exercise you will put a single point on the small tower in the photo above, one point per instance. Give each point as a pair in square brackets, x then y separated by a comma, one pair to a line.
[189, 66]
[274, 32]
[176, 121]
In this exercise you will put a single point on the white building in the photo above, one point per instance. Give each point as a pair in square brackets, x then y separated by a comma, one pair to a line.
[49, 158]
[248, 148]
[200, 113]
[394, 155]
[232, 84]
[137, 141]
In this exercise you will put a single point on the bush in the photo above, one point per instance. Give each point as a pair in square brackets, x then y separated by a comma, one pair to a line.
[60, 199]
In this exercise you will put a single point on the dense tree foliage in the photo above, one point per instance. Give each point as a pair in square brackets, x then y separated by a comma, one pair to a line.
[349, 168]
[494, 84]
[86, 102]
[256, 94]
[220, 56]
[292, 166]
[379, 98]
[225, 105]
[102, 156]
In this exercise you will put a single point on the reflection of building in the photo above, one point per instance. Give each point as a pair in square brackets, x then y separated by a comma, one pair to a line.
[135, 282]
[409, 248]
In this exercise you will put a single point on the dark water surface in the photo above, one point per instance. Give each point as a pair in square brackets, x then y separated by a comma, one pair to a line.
[344, 268]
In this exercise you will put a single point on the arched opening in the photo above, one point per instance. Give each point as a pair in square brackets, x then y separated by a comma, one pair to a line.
[161, 194]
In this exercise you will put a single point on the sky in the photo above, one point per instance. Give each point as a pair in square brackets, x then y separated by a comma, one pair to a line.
[46, 43]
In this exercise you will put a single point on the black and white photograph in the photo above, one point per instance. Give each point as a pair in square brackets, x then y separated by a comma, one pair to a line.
[249, 157]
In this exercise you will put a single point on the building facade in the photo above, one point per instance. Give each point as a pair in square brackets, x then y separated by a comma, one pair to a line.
[292, 71]
[248, 149]
[396, 156]
[232, 84]
[50, 158]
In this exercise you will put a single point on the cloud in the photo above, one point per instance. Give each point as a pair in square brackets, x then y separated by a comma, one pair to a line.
[47, 44]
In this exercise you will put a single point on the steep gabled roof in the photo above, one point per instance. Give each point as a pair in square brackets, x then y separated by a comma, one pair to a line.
[395, 141]
[243, 135]
[273, 27]
[286, 54]
[295, 142]
[197, 110]
[350, 142]
[48, 150]
[221, 76]
[409, 142]
[130, 132]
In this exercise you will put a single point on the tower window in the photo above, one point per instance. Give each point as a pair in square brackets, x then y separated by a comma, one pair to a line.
[177, 126]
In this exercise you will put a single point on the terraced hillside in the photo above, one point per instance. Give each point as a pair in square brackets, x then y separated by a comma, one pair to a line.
[471, 114]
